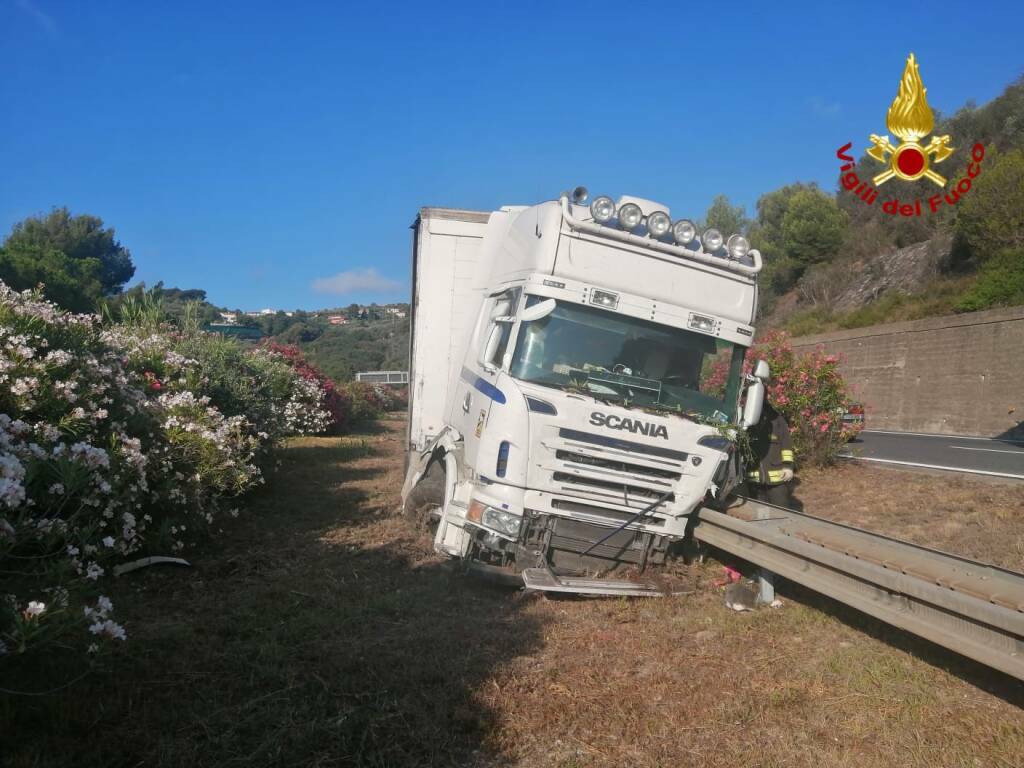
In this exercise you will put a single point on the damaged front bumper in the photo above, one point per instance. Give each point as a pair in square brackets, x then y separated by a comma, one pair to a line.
[561, 554]
[545, 580]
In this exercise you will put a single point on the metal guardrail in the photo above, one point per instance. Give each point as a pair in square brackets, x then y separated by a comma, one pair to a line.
[968, 607]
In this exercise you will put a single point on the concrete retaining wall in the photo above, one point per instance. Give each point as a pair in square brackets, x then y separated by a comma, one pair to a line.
[961, 374]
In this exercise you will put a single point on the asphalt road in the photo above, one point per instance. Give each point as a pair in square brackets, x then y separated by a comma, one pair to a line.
[980, 455]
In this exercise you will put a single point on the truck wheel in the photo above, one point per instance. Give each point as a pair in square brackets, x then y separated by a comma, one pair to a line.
[427, 495]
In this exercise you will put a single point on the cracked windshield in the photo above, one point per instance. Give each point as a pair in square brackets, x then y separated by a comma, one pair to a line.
[628, 360]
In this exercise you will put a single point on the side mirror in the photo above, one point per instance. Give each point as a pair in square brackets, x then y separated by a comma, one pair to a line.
[762, 371]
[755, 401]
[538, 311]
[502, 307]
[491, 347]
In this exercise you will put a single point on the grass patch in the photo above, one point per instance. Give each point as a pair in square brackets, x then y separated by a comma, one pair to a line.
[322, 631]
[943, 296]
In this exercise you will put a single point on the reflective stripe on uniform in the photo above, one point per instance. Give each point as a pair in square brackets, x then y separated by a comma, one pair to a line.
[774, 476]
[787, 455]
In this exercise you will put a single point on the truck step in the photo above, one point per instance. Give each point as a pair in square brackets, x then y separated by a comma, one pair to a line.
[543, 580]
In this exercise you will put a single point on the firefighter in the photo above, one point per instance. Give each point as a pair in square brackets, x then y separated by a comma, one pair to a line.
[770, 477]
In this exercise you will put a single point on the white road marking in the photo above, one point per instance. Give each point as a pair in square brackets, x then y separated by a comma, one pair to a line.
[944, 437]
[989, 450]
[934, 466]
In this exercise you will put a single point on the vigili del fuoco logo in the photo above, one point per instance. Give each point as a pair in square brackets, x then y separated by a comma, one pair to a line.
[910, 120]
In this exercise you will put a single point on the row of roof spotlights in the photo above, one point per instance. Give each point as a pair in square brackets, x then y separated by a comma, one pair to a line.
[659, 226]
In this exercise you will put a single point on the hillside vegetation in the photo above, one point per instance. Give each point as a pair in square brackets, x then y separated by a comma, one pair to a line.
[341, 351]
[370, 340]
[831, 261]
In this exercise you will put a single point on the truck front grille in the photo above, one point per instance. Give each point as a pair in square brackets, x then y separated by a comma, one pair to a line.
[624, 493]
[618, 474]
[605, 515]
[616, 465]
[577, 537]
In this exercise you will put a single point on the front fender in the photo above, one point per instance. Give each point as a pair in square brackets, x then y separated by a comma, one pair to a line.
[449, 441]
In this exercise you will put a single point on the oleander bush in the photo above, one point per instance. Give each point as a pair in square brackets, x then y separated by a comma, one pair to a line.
[807, 389]
[366, 402]
[396, 398]
[120, 440]
[335, 402]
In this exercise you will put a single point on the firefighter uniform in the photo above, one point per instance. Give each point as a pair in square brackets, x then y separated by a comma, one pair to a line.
[772, 447]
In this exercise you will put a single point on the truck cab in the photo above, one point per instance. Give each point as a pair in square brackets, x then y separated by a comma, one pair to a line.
[576, 379]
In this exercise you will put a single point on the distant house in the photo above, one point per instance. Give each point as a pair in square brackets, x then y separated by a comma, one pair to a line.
[337, 319]
[396, 311]
[229, 318]
[265, 312]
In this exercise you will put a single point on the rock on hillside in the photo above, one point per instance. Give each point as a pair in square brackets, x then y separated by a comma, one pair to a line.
[849, 285]
[905, 270]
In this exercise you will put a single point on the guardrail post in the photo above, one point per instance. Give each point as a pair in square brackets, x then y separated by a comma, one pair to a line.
[766, 587]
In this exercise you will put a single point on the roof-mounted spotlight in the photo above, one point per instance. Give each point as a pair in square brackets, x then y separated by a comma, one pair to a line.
[630, 216]
[712, 240]
[738, 247]
[658, 224]
[602, 209]
[684, 232]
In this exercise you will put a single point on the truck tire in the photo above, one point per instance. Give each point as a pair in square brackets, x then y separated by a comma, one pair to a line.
[427, 494]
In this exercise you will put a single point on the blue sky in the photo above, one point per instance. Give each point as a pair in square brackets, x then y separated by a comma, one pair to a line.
[275, 154]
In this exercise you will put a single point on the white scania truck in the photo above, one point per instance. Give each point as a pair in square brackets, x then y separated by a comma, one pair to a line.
[576, 376]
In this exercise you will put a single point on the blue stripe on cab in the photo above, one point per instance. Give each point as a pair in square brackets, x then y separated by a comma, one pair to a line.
[483, 386]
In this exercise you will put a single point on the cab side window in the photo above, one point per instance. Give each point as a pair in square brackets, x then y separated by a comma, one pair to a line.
[501, 310]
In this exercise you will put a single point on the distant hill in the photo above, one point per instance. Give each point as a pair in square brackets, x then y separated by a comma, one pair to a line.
[343, 342]
[341, 351]
[340, 341]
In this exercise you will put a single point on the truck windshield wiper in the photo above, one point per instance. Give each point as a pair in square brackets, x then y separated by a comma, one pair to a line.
[610, 398]
[607, 398]
[663, 408]
[583, 389]
[688, 413]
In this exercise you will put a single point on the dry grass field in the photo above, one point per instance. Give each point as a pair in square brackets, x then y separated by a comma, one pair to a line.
[322, 631]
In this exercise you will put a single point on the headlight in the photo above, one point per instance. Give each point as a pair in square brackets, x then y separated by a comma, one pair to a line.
[602, 209]
[712, 240]
[630, 216]
[684, 231]
[738, 246]
[502, 521]
[658, 223]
